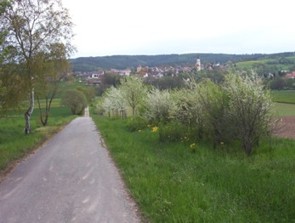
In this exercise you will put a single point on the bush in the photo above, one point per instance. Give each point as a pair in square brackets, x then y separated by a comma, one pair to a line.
[214, 109]
[89, 93]
[75, 100]
[188, 111]
[114, 103]
[249, 109]
[239, 109]
[159, 106]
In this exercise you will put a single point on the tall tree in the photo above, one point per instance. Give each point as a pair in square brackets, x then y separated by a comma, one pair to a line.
[34, 27]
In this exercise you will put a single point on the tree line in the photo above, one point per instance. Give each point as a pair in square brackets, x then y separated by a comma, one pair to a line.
[91, 64]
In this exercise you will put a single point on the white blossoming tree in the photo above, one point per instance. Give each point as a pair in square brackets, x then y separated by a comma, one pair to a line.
[134, 92]
[159, 106]
[249, 109]
[114, 103]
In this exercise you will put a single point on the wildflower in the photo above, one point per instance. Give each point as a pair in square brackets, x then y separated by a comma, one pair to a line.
[155, 129]
[193, 147]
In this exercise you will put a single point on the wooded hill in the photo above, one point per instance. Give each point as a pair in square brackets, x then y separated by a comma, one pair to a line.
[88, 64]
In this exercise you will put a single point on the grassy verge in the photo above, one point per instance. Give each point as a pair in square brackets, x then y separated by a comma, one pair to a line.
[14, 144]
[172, 184]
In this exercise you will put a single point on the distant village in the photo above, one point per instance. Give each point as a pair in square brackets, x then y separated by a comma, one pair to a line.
[94, 78]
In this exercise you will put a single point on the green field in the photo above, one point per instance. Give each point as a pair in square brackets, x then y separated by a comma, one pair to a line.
[268, 62]
[14, 144]
[285, 96]
[172, 184]
[284, 102]
[283, 109]
[247, 65]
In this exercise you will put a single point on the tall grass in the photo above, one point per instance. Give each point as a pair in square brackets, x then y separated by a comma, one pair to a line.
[172, 184]
[14, 144]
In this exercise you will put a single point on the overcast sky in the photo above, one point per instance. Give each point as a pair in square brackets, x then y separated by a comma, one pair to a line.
[137, 27]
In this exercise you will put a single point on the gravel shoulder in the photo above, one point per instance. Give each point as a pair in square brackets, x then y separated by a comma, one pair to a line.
[71, 178]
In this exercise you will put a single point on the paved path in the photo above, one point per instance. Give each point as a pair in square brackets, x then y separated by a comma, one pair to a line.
[69, 179]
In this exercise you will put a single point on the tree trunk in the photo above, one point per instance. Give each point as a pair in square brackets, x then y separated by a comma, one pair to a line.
[29, 112]
[45, 115]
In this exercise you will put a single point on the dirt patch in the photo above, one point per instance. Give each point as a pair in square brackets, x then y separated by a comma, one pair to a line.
[286, 127]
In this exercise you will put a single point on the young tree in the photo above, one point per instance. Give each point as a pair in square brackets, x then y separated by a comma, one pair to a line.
[34, 27]
[46, 87]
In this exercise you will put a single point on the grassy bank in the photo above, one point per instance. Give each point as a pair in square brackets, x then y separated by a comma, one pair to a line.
[14, 144]
[172, 184]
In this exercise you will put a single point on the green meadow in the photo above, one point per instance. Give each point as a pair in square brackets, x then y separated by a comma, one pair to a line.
[284, 102]
[283, 109]
[268, 62]
[172, 183]
[14, 144]
[284, 96]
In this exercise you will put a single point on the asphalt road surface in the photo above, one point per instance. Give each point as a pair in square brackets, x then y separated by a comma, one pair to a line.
[71, 178]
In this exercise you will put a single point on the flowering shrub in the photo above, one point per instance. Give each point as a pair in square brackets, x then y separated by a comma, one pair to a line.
[249, 109]
[238, 109]
[187, 110]
[133, 92]
[159, 106]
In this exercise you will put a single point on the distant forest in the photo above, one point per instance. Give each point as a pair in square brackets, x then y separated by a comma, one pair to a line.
[89, 64]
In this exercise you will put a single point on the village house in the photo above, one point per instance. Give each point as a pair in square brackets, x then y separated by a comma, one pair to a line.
[290, 75]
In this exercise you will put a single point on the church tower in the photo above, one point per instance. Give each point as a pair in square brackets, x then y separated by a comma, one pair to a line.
[198, 64]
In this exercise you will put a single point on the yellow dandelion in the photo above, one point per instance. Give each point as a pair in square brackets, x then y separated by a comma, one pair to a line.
[155, 129]
[193, 145]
